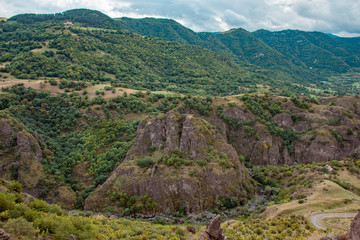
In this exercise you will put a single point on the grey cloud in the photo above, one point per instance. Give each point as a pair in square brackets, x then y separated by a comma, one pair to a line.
[332, 16]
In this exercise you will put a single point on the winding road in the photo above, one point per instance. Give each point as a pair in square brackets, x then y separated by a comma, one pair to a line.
[315, 220]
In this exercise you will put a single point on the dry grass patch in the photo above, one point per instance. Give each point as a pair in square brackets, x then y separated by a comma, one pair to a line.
[327, 196]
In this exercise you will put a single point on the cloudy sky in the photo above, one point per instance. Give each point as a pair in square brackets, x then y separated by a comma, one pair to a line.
[341, 17]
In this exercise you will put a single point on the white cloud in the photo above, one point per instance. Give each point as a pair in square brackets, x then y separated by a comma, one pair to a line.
[331, 16]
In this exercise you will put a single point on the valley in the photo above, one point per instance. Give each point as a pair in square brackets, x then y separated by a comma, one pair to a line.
[143, 129]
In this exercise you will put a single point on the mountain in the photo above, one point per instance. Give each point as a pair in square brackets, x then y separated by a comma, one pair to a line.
[84, 16]
[167, 29]
[290, 54]
[313, 49]
[93, 54]
[173, 127]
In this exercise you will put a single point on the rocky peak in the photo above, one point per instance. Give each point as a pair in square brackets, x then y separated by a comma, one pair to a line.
[195, 186]
[189, 134]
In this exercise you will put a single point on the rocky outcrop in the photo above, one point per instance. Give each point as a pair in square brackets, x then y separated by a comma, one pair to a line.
[174, 131]
[21, 154]
[329, 131]
[4, 235]
[20, 159]
[213, 230]
[354, 233]
[190, 186]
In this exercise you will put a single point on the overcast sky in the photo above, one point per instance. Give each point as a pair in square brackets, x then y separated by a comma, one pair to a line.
[341, 17]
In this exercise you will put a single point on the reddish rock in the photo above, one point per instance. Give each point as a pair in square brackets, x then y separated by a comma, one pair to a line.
[355, 228]
[213, 230]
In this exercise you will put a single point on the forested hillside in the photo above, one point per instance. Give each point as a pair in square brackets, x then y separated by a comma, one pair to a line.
[295, 56]
[98, 48]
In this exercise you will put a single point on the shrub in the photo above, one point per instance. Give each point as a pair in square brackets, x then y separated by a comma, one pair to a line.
[19, 227]
[145, 162]
[14, 186]
[180, 232]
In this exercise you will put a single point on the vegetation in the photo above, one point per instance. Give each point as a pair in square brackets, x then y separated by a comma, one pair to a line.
[27, 220]
[85, 131]
[288, 56]
[294, 227]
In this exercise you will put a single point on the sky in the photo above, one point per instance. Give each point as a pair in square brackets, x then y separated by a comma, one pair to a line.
[339, 17]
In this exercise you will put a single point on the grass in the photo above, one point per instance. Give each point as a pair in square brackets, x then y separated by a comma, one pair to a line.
[324, 197]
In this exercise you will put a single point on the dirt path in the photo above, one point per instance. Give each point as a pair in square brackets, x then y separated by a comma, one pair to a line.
[315, 220]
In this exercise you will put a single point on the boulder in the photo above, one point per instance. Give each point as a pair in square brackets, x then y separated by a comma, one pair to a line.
[4, 235]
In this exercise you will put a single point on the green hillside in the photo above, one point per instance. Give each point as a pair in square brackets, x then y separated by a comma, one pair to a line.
[84, 16]
[167, 29]
[80, 53]
[290, 55]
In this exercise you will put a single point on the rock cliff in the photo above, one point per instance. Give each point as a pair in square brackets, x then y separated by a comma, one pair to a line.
[327, 131]
[20, 154]
[196, 185]
[20, 160]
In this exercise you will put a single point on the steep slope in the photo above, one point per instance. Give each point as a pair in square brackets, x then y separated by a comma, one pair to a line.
[237, 43]
[20, 154]
[314, 50]
[190, 167]
[21, 160]
[303, 56]
[302, 131]
[122, 57]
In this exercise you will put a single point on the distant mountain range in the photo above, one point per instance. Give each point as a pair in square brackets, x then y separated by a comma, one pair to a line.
[287, 61]
[286, 49]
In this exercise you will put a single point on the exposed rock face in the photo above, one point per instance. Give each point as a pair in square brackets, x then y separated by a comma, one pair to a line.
[354, 233]
[194, 187]
[22, 154]
[213, 230]
[317, 130]
[173, 131]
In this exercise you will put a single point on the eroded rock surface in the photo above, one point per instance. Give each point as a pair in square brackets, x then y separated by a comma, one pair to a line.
[193, 187]
[354, 233]
[213, 230]
[21, 154]
[329, 131]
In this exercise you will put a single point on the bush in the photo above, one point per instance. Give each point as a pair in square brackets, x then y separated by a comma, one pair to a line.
[145, 162]
[180, 232]
[19, 227]
[14, 186]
